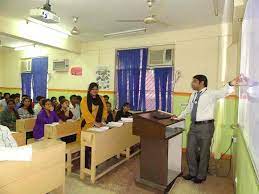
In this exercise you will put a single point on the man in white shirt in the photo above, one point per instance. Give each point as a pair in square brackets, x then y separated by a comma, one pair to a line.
[3, 102]
[74, 107]
[38, 106]
[201, 106]
[6, 138]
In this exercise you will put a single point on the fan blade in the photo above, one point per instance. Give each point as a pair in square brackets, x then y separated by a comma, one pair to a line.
[129, 20]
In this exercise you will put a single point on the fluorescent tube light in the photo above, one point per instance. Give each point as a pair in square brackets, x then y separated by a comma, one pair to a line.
[125, 32]
[26, 47]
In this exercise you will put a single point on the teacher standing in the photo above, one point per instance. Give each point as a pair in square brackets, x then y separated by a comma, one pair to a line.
[201, 106]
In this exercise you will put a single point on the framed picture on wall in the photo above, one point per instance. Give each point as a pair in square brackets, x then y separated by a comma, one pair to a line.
[103, 77]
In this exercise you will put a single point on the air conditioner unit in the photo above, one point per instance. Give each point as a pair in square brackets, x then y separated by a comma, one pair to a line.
[26, 66]
[61, 65]
[160, 58]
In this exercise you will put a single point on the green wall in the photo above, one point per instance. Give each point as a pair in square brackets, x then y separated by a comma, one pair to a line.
[244, 171]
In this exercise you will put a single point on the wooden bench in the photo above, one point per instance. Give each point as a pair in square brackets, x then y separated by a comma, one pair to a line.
[106, 145]
[63, 130]
[44, 174]
[26, 126]
[20, 138]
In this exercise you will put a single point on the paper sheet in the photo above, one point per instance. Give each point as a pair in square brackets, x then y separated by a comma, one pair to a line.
[127, 120]
[114, 124]
[101, 129]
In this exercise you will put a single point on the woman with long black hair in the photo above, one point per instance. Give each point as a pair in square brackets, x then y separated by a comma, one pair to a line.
[93, 107]
[94, 113]
[26, 111]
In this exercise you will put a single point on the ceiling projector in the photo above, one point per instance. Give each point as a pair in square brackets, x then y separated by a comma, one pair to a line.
[44, 16]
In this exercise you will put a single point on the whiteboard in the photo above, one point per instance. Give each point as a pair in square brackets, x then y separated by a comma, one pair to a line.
[248, 113]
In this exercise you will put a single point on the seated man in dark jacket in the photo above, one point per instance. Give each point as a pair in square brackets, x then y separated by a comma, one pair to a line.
[110, 116]
[123, 112]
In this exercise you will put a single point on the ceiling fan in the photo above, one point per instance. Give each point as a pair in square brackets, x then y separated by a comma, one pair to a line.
[150, 19]
[75, 30]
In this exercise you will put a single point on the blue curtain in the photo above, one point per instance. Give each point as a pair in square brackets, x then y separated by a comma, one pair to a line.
[39, 76]
[163, 88]
[131, 75]
[26, 83]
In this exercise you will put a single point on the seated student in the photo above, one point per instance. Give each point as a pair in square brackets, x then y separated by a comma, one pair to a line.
[25, 111]
[17, 101]
[3, 102]
[79, 99]
[38, 106]
[59, 100]
[64, 113]
[6, 138]
[54, 102]
[110, 117]
[106, 98]
[9, 116]
[45, 116]
[74, 107]
[25, 96]
[123, 112]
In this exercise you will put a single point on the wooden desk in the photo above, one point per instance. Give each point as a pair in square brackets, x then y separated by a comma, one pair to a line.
[63, 130]
[20, 138]
[45, 173]
[105, 145]
[26, 126]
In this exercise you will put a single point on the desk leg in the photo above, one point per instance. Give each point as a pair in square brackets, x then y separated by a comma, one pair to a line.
[128, 153]
[69, 163]
[82, 162]
[93, 166]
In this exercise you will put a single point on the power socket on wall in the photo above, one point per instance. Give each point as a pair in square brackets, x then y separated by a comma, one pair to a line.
[234, 139]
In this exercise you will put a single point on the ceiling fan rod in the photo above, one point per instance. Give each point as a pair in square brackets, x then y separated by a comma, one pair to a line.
[216, 7]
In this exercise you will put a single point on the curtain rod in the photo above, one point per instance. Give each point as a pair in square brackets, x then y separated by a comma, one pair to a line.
[147, 46]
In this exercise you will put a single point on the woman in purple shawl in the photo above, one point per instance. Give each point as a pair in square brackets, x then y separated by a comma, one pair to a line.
[45, 116]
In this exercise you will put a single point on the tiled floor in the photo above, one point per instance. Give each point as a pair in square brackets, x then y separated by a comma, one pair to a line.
[122, 181]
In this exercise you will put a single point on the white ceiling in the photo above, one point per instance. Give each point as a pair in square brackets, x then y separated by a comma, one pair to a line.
[97, 17]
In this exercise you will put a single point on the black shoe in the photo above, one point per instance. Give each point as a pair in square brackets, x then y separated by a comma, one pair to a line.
[198, 181]
[189, 177]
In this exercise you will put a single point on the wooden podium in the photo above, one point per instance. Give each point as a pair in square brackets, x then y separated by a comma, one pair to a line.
[161, 148]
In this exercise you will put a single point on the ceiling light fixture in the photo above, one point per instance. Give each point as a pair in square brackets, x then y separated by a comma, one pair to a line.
[25, 47]
[125, 32]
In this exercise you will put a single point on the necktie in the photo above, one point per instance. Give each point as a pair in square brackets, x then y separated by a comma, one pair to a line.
[195, 106]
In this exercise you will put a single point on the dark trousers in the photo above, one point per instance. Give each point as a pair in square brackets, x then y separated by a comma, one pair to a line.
[198, 146]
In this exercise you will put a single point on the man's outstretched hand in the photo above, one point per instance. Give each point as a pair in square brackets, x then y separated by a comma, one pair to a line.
[238, 81]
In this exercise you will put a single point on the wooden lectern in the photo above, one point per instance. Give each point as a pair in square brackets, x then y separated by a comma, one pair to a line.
[161, 148]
